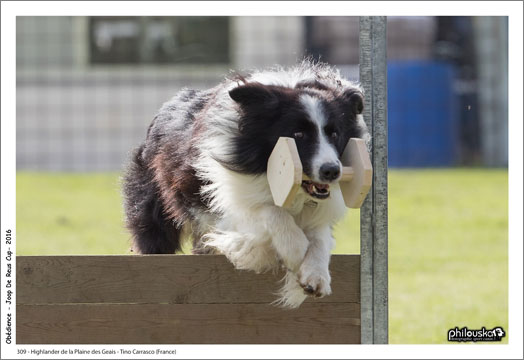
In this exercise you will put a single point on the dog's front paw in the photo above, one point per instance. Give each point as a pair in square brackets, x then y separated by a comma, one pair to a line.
[315, 283]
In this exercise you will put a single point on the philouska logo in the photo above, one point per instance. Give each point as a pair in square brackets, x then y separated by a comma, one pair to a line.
[465, 334]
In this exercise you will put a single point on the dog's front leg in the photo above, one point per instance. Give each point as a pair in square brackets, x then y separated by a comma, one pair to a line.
[313, 275]
[287, 238]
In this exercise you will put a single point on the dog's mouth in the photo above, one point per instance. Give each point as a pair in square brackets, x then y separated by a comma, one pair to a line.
[316, 190]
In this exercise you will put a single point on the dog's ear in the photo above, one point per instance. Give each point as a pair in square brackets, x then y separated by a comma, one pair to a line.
[355, 100]
[255, 95]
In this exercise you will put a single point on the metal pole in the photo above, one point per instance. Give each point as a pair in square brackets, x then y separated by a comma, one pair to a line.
[374, 212]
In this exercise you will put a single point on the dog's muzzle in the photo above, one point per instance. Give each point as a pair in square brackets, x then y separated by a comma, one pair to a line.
[316, 190]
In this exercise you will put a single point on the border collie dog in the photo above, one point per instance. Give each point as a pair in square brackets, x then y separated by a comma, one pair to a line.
[201, 173]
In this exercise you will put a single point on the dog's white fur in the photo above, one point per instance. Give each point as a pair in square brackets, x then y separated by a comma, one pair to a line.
[246, 226]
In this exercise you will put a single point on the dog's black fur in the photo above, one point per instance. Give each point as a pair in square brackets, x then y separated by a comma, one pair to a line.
[163, 190]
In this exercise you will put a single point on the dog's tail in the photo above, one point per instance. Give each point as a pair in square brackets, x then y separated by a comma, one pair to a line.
[153, 232]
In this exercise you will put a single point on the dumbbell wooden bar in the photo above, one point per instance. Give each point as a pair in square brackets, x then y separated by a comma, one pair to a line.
[285, 176]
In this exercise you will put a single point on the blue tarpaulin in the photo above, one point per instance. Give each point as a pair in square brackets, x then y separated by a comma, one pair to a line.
[423, 114]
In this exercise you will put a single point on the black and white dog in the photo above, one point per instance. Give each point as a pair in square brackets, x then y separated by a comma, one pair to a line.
[201, 173]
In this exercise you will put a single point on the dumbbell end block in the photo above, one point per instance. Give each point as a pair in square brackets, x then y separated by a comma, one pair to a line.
[356, 156]
[284, 172]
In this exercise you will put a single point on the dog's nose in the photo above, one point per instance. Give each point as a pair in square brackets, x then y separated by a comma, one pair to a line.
[329, 172]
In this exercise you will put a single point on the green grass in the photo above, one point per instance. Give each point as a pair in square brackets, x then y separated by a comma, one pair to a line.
[448, 232]
[69, 214]
[448, 252]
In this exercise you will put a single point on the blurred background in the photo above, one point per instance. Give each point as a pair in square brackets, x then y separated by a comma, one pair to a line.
[88, 87]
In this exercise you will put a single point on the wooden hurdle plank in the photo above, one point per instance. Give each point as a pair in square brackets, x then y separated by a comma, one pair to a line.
[175, 299]
[331, 323]
[161, 279]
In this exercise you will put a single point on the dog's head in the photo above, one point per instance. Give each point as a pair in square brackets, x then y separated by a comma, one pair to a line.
[320, 119]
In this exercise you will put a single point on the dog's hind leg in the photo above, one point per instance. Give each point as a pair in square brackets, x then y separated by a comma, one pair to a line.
[199, 246]
[153, 232]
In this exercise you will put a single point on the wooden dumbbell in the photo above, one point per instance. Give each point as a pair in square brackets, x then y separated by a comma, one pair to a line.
[285, 176]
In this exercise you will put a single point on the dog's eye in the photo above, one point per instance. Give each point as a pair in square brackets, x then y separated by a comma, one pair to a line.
[298, 135]
[334, 135]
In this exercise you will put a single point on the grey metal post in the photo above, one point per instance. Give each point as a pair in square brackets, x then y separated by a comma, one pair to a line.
[374, 212]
